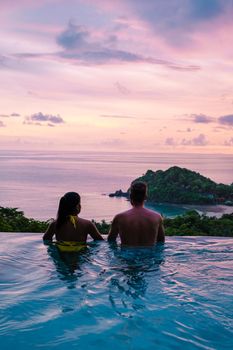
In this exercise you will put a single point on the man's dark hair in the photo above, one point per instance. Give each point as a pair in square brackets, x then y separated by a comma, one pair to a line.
[138, 192]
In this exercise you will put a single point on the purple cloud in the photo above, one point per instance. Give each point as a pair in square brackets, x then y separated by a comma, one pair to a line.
[201, 118]
[226, 120]
[200, 140]
[176, 20]
[122, 89]
[74, 36]
[170, 141]
[2, 125]
[37, 118]
[3, 60]
[80, 44]
[9, 115]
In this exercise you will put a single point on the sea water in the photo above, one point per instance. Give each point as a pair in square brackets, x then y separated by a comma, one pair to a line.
[172, 296]
[34, 181]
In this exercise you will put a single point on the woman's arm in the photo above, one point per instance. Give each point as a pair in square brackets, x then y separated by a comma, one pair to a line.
[48, 236]
[94, 233]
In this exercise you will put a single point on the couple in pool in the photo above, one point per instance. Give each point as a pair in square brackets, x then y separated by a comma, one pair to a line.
[136, 227]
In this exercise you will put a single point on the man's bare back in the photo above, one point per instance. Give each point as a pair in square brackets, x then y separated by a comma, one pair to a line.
[138, 226]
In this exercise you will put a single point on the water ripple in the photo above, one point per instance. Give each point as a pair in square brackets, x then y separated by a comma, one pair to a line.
[173, 295]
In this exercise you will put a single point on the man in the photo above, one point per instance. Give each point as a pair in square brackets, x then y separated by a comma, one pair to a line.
[138, 226]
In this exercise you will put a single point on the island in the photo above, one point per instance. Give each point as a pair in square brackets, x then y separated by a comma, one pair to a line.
[182, 186]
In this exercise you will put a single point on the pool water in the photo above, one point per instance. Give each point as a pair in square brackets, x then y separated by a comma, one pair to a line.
[172, 296]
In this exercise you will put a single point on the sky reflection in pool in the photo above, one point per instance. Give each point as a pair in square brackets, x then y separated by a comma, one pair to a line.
[167, 297]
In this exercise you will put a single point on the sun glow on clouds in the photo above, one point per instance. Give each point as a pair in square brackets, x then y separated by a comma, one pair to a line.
[123, 75]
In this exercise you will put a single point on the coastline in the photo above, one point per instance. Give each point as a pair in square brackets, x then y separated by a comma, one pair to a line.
[209, 210]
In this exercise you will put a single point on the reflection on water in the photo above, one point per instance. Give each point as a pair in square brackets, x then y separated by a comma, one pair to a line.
[170, 296]
[68, 264]
[129, 281]
[127, 266]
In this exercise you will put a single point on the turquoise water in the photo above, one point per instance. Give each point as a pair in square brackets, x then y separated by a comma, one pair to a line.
[173, 296]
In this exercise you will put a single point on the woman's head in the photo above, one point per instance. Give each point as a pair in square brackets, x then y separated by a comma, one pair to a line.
[69, 205]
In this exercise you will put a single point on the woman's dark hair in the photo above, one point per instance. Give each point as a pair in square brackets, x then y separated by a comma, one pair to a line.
[138, 192]
[67, 206]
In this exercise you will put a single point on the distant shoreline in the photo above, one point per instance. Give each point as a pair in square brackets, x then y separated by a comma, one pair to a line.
[209, 210]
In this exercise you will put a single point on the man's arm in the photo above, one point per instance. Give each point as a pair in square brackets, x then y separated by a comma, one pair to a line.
[114, 230]
[48, 236]
[161, 232]
[94, 233]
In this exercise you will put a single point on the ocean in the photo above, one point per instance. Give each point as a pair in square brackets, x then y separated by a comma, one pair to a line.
[33, 181]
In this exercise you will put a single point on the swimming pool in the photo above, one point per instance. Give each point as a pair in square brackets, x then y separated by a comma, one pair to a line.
[166, 297]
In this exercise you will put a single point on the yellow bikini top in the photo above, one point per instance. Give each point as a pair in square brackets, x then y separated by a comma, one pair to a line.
[73, 219]
[71, 246]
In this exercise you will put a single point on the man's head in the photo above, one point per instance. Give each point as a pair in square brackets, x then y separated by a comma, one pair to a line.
[138, 193]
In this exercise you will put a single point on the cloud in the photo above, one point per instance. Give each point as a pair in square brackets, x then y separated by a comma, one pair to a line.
[81, 46]
[226, 120]
[229, 142]
[106, 55]
[2, 125]
[206, 9]
[177, 20]
[170, 141]
[201, 118]
[122, 89]
[117, 116]
[74, 36]
[9, 115]
[39, 118]
[3, 61]
[200, 140]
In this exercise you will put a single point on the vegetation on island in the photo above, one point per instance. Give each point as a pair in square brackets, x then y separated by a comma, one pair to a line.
[189, 224]
[182, 186]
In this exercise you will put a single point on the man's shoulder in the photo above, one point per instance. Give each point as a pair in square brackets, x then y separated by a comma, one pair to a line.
[153, 213]
[122, 214]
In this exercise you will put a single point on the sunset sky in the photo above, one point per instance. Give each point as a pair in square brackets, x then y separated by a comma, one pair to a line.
[120, 75]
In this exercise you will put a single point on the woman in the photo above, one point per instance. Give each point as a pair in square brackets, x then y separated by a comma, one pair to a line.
[68, 228]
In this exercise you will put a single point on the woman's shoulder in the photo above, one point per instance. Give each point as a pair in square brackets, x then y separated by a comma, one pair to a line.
[52, 226]
[85, 222]
[52, 223]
